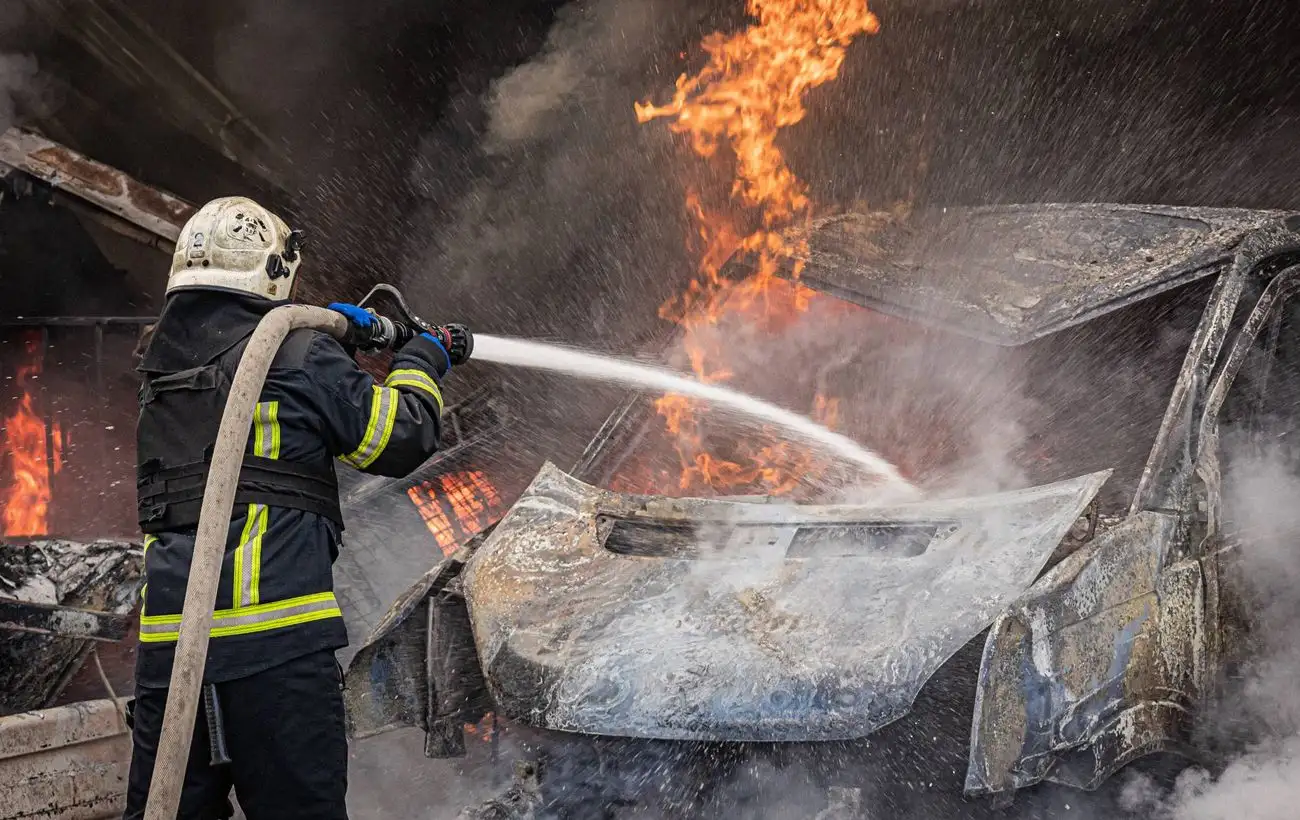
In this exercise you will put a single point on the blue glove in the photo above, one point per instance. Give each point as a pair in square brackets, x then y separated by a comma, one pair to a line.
[446, 357]
[357, 316]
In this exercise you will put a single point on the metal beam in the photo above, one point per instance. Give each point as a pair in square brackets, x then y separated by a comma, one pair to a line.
[112, 222]
[109, 189]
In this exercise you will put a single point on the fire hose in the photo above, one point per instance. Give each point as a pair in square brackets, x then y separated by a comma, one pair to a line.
[219, 502]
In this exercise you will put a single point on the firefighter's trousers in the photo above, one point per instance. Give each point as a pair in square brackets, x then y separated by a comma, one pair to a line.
[284, 730]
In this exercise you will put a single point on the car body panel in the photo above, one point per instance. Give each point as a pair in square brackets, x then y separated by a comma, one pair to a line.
[418, 667]
[600, 612]
[1097, 665]
[1104, 658]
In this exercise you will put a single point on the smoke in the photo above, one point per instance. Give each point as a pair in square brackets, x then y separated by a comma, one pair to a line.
[542, 209]
[566, 221]
[18, 70]
[1263, 784]
[956, 415]
[564, 218]
[17, 76]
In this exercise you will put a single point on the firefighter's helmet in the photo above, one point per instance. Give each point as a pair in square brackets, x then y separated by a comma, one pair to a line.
[234, 244]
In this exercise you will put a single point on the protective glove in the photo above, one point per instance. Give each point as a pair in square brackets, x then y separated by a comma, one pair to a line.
[456, 341]
[366, 331]
[359, 317]
[442, 348]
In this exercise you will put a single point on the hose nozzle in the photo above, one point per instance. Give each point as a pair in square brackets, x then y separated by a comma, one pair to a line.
[457, 340]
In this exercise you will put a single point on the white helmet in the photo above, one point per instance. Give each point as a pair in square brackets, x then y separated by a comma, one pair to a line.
[235, 244]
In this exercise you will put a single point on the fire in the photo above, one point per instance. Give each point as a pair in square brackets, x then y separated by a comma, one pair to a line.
[456, 506]
[35, 454]
[752, 87]
[484, 729]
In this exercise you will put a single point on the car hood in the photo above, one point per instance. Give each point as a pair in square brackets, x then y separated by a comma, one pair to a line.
[641, 616]
[1009, 274]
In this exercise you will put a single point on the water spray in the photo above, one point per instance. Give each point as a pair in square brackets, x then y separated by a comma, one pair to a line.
[560, 359]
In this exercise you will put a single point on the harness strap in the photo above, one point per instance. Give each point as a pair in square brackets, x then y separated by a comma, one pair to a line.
[171, 498]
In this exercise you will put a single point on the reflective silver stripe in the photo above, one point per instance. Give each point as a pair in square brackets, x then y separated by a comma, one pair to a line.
[417, 379]
[260, 618]
[266, 429]
[383, 411]
[248, 556]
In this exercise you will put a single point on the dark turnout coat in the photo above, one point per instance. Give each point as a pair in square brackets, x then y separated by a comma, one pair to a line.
[276, 600]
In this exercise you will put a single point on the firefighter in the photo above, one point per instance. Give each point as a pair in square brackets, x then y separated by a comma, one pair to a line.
[271, 678]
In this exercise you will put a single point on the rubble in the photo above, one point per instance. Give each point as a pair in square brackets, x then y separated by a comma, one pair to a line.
[56, 596]
[70, 762]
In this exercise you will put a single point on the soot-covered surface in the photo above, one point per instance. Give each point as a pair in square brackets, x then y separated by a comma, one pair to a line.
[744, 640]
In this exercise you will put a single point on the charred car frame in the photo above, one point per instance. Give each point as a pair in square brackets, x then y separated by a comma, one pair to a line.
[594, 621]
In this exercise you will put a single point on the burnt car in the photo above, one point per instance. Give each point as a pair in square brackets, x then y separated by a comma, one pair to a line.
[1074, 387]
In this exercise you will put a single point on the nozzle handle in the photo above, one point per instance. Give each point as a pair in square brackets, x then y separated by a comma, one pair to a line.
[381, 334]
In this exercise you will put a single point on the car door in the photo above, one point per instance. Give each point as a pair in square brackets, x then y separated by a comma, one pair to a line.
[1248, 472]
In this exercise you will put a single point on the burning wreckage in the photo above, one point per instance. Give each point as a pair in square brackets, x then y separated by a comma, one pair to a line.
[1053, 613]
[60, 598]
[635, 649]
[65, 603]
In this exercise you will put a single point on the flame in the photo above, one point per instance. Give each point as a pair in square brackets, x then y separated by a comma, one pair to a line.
[35, 454]
[752, 87]
[484, 728]
[456, 506]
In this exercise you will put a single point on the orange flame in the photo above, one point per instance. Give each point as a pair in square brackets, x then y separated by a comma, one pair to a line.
[33, 457]
[752, 87]
[456, 506]
[484, 728]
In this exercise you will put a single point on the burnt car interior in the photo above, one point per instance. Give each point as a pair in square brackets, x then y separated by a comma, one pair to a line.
[1258, 414]
[963, 416]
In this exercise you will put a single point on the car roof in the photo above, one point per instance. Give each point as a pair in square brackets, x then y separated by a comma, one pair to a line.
[1011, 274]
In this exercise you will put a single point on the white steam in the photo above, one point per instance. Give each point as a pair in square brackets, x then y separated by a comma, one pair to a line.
[536, 100]
[556, 224]
[19, 71]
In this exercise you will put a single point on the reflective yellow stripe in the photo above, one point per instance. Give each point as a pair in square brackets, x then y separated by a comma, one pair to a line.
[248, 555]
[247, 620]
[254, 592]
[149, 541]
[383, 413]
[417, 379]
[266, 429]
